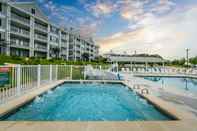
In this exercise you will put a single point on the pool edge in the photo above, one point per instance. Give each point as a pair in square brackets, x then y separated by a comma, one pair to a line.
[163, 106]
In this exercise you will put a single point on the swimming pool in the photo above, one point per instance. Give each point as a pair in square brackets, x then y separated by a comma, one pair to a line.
[186, 85]
[88, 102]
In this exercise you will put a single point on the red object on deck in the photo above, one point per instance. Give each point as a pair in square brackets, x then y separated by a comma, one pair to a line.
[4, 69]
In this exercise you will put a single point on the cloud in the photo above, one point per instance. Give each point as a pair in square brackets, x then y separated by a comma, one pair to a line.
[99, 8]
[70, 16]
[134, 10]
[168, 36]
[162, 6]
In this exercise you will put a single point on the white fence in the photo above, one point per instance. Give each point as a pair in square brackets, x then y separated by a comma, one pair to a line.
[19, 79]
[16, 80]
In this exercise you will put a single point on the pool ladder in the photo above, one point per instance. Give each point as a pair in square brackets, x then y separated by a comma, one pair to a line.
[142, 91]
[145, 91]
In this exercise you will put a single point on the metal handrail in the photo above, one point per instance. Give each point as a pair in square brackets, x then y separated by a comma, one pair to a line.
[145, 91]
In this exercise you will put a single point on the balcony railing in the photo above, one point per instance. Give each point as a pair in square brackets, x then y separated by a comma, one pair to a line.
[20, 31]
[40, 47]
[20, 19]
[40, 27]
[19, 44]
[40, 37]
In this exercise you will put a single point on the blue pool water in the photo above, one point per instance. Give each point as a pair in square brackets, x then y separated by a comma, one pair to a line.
[89, 102]
[187, 85]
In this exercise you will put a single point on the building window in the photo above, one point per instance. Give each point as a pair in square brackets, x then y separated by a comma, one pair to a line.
[0, 7]
[33, 11]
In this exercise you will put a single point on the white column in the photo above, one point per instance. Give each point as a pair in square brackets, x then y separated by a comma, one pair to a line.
[7, 34]
[48, 43]
[75, 53]
[68, 37]
[32, 21]
[38, 75]
[60, 43]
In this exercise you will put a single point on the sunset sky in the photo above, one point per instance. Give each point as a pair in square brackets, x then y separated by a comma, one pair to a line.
[165, 27]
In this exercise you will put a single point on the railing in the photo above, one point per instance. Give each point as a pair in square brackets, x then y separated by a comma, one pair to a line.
[37, 26]
[20, 19]
[19, 43]
[20, 31]
[40, 37]
[19, 79]
[40, 47]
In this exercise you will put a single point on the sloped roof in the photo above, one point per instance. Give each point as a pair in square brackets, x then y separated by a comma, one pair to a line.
[130, 58]
[27, 6]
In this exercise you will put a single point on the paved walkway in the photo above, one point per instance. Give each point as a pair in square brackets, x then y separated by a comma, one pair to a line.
[173, 95]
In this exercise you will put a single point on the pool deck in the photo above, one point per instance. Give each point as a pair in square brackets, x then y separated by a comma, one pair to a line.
[100, 126]
[164, 75]
[187, 121]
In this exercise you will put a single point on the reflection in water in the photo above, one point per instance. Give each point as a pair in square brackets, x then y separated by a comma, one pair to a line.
[186, 85]
[156, 79]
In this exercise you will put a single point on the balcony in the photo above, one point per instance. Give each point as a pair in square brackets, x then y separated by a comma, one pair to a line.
[40, 37]
[64, 37]
[20, 31]
[64, 45]
[64, 52]
[41, 28]
[2, 15]
[20, 19]
[64, 41]
[19, 44]
[78, 49]
[40, 47]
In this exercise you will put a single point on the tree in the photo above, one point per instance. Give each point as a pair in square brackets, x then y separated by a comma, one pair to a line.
[100, 59]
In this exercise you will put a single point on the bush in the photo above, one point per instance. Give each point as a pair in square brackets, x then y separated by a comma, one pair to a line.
[35, 61]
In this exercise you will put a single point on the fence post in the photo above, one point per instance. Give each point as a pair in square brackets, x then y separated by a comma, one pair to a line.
[18, 79]
[50, 73]
[71, 72]
[56, 71]
[38, 75]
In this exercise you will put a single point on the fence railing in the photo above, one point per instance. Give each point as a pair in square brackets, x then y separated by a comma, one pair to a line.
[16, 80]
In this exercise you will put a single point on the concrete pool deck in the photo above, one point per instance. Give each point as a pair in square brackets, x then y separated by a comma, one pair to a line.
[164, 75]
[100, 126]
[187, 120]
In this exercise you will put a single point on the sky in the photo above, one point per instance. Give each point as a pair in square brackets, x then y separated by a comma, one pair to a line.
[164, 27]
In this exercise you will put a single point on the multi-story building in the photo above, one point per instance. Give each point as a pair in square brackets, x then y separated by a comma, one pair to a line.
[26, 31]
